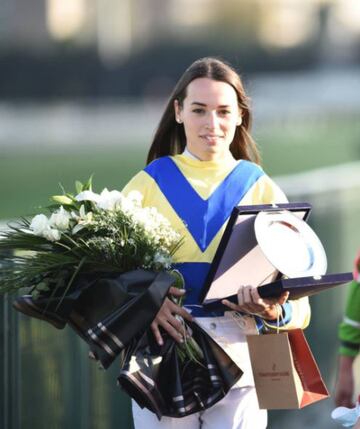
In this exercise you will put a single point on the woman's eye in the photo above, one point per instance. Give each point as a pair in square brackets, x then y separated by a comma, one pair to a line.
[198, 110]
[224, 112]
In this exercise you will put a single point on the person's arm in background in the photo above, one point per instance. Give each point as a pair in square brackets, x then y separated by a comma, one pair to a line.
[349, 335]
[344, 390]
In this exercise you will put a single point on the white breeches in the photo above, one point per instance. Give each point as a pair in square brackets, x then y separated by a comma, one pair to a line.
[238, 410]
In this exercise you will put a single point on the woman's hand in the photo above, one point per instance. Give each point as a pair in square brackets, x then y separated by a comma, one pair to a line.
[249, 301]
[166, 318]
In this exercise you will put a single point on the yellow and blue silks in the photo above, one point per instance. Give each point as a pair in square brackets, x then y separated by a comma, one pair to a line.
[197, 197]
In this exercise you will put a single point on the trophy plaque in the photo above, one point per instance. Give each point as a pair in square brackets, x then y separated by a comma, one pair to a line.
[270, 247]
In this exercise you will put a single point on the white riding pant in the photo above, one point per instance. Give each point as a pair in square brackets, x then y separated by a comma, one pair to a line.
[239, 409]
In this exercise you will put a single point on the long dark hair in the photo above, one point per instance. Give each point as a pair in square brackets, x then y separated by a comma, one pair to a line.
[170, 139]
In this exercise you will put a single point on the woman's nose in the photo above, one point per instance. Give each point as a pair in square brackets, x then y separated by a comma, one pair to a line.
[212, 120]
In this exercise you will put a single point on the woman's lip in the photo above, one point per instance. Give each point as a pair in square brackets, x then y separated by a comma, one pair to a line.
[211, 140]
[211, 137]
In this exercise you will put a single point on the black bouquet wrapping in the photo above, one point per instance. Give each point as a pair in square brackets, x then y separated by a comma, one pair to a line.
[113, 313]
[106, 310]
[157, 379]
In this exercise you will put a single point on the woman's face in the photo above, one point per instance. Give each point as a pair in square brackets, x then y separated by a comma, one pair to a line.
[210, 115]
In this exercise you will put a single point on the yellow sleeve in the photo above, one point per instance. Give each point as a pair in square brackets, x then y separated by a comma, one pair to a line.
[301, 313]
[142, 183]
[300, 316]
[264, 191]
[270, 192]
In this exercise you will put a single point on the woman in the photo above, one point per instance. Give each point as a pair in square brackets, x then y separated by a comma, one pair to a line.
[202, 163]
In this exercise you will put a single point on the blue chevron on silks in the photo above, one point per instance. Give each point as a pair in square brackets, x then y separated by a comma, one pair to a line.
[203, 218]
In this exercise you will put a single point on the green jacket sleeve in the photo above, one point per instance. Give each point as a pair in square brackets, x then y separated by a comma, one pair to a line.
[349, 329]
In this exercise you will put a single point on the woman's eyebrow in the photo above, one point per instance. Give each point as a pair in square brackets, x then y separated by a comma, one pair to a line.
[203, 104]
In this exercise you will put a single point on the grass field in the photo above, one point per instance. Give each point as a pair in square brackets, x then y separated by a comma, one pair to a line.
[28, 178]
[296, 146]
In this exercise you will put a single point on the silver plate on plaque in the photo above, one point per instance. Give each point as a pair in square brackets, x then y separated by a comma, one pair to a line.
[290, 244]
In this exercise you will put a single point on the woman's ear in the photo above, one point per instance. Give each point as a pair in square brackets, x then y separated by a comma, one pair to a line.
[177, 109]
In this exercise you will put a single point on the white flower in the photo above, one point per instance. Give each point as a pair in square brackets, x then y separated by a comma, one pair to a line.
[39, 224]
[115, 200]
[141, 217]
[77, 228]
[82, 219]
[42, 228]
[135, 197]
[82, 212]
[156, 227]
[162, 260]
[127, 206]
[60, 219]
[88, 196]
[112, 200]
[51, 234]
[109, 200]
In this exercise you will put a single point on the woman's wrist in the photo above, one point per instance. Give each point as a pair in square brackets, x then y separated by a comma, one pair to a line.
[345, 363]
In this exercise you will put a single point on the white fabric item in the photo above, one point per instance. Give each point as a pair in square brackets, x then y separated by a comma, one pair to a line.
[346, 416]
[189, 154]
[238, 410]
[229, 332]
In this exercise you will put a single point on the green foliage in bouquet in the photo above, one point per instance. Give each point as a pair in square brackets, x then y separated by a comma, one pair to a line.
[89, 233]
[85, 232]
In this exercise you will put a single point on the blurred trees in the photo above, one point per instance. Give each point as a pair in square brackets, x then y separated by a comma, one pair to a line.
[140, 48]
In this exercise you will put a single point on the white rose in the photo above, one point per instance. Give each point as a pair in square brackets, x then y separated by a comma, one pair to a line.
[39, 223]
[88, 196]
[110, 200]
[60, 219]
[126, 205]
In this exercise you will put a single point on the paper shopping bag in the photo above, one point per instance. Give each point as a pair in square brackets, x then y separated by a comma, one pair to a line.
[285, 372]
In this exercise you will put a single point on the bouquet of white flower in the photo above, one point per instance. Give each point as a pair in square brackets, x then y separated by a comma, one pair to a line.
[86, 233]
[101, 263]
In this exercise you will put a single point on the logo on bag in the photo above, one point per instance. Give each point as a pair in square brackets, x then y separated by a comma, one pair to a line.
[274, 373]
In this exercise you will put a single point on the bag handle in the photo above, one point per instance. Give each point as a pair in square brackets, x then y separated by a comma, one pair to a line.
[279, 316]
